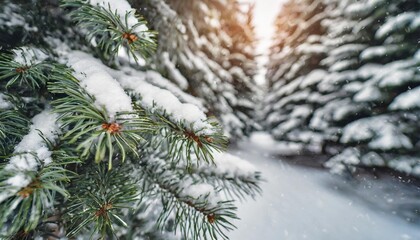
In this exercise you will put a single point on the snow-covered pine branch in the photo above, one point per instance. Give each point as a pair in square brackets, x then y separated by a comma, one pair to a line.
[234, 176]
[196, 207]
[26, 67]
[184, 124]
[112, 117]
[113, 27]
[31, 178]
[13, 126]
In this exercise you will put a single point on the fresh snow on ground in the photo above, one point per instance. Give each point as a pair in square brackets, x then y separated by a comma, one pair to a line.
[300, 203]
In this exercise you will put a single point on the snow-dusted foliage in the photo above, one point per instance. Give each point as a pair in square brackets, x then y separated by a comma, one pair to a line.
[344, 77]
[31, 153]
[207, 48]
[80, 110]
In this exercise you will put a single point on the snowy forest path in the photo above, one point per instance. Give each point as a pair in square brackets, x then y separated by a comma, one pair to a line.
[300, 203]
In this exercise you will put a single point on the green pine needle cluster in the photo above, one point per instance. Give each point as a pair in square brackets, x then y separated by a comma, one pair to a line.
[110, 32]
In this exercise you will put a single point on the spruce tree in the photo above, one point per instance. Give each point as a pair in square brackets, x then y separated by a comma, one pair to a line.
[95, 146]
[344, 77]
[209, 52]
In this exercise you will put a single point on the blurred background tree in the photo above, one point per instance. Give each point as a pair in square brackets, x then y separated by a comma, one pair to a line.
[344, 82]
[207, 48]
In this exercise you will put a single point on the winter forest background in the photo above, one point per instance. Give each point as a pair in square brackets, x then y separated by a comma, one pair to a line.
[319, 100]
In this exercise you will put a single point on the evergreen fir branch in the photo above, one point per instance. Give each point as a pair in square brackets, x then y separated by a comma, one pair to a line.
[13, 126]
[99, 202]
[24, 208]
[237, 185]
[233, 176]
[184, 143]
[100, 211]
[110, 31]
[23, 75]
[233, 186]
[196, 217]
[30, 187]
[16, 101]
[91, 129]
[142, 221]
